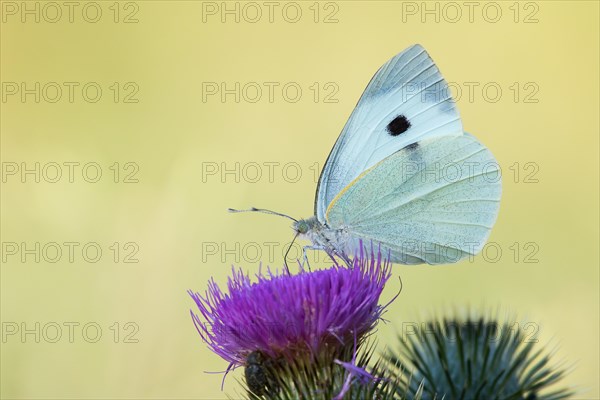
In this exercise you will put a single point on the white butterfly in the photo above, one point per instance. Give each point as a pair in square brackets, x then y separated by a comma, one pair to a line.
[403, 175]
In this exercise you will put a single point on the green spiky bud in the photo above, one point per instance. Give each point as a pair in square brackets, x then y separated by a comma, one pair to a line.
[475, 359]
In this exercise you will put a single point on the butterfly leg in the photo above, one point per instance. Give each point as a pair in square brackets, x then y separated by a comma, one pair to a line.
[305, 257]
[331, 252]
[345, 258]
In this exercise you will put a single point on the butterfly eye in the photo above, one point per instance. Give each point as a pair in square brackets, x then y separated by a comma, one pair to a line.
[302, 227]
[398, 125]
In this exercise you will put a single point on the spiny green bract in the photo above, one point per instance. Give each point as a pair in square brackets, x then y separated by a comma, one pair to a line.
[474, 359]
[320, 378]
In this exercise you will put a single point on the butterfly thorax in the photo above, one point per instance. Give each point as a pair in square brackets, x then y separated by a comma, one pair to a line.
[322, 236]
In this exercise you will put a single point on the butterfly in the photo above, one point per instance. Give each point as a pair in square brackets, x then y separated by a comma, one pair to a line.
[403, 175]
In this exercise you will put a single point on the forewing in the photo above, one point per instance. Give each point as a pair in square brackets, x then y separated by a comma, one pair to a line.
[434, 202]
[406, 101]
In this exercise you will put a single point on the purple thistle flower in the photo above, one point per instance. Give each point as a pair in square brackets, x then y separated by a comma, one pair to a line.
[291, 315]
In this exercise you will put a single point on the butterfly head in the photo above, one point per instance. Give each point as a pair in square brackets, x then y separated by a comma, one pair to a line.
[301, 227]
[304, 226]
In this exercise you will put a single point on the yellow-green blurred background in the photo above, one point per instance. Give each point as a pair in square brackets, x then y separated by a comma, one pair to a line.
[168, 55]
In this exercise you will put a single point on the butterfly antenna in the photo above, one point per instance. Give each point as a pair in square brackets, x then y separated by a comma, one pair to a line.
[262, 210]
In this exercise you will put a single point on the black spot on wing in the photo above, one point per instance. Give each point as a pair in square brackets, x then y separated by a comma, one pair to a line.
[398, 125]
[415, 155]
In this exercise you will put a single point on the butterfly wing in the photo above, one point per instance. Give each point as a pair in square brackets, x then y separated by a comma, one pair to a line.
[434, 201]
[406, 101]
